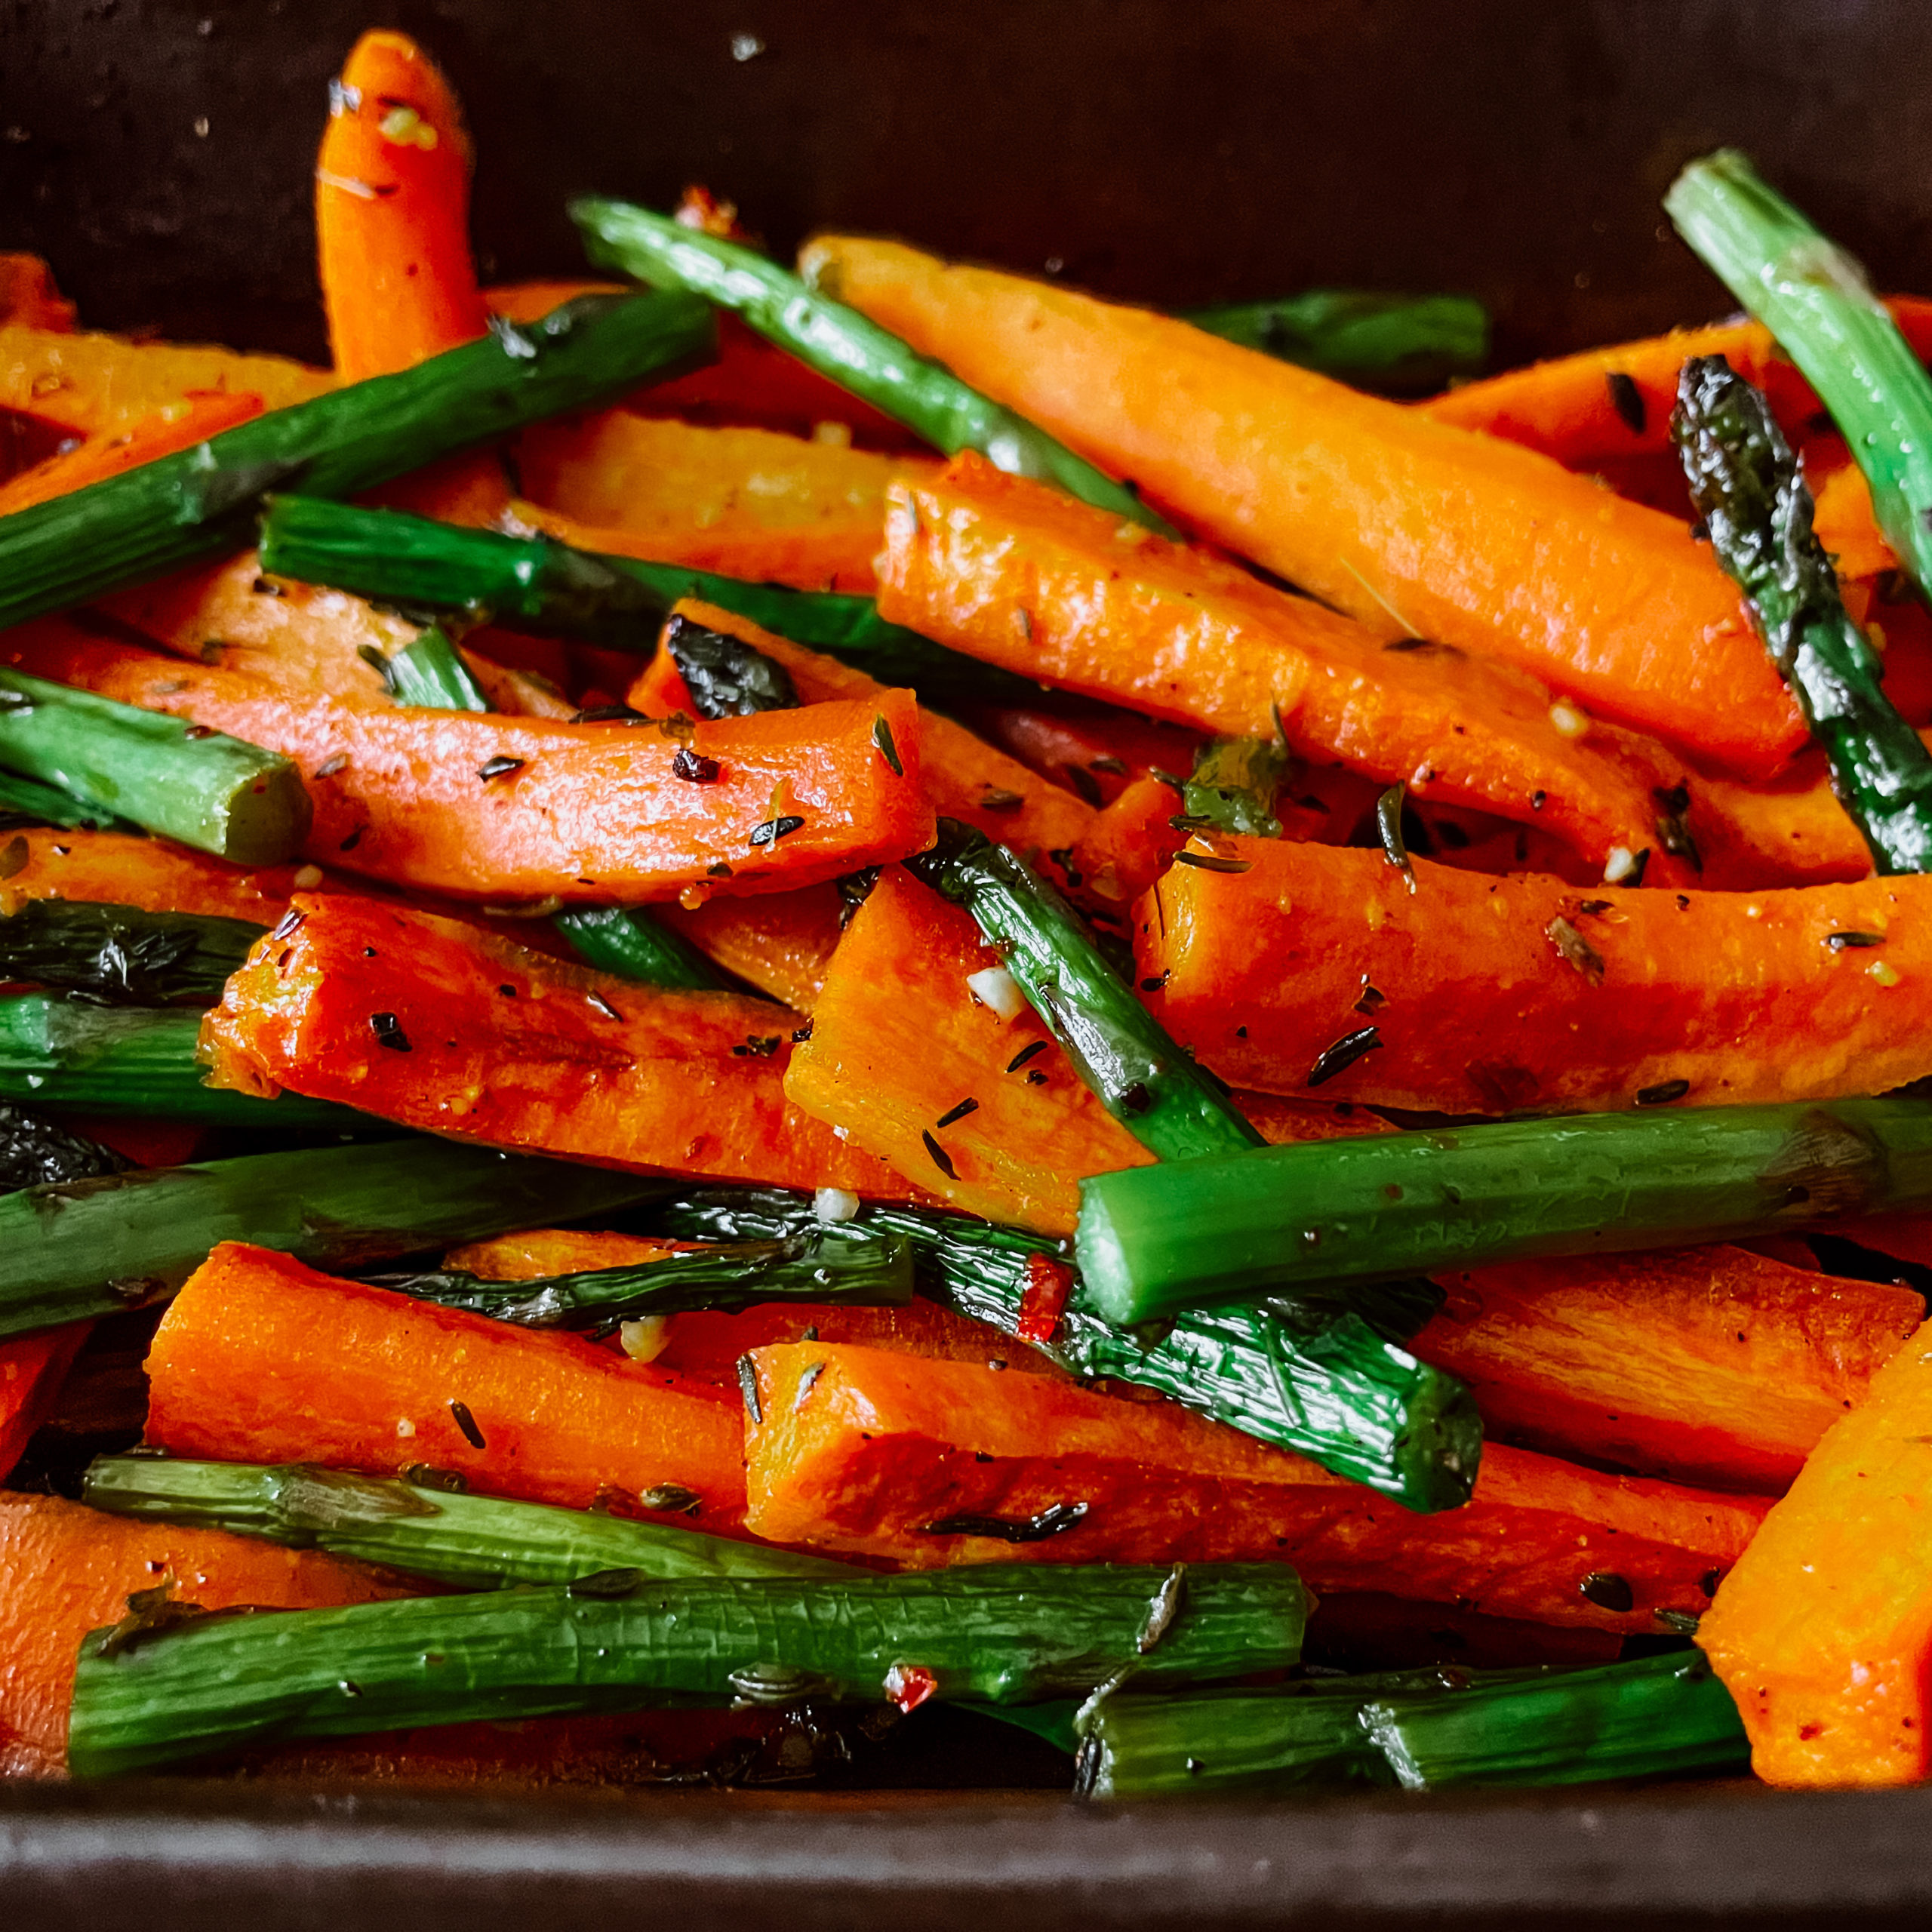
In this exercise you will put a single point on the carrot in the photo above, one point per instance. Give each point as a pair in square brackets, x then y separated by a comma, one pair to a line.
[1490, 995]
[119, 868]
[1010, 571]
[531, 301]
[29, 298]
[1384, 513]
[515, 693]
[478, 806]
[447, 1027]
[1709, 1365]
[876, 1448]
[64, 1570]
[32, 1369]
[1131, 843]
[179, 425]
[1095, 750]
[148, 1143]
[781, 942]
[540, 1251]
[1791, 832]
[1901, 628]
[752, 504]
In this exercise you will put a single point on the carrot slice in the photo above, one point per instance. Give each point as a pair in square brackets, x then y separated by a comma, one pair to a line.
[873, 1453]
[179, 426]
[32, 1369]
[119, 868]
[28, 297]
[447, 1027]
[1131, 843]
[781, 942]
[1490, 995]
[260, 1359]
[1095, 750]
[507, 808]
[1462, 538]
[1708, 1365]
[1791, 832]
[64, 1570]
[1014, 572]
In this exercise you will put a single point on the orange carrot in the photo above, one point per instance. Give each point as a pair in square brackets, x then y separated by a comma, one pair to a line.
[260, 1359]
[876, 1448]
[1708, 1365]
[179, 426]
[32, 1369]
[484, 806]
[118, 869]
[29, 298]
[781, 942]
[1095, 750]
[64, 1570]
[1131, 843]
[1451, 535]
[531, 301]
[447, 1027]
[1791, 832]
[1490, 995]
[1014, 572]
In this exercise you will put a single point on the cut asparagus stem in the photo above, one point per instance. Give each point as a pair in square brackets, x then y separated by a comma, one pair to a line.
[1748, 487]
[470, 1542]
[1401, 344]
[122, 955]
[627, 941]
[619, 602]
[163, 774]
[25, 801]
[164, 514]
[1153, 1241]
[92, 1248]
[1814, 299]
[1167, 1102]
[429, 672]
[34, 1152]
[843, 346]
[1315, 1377]
[813, 1267]
[1001, 1633]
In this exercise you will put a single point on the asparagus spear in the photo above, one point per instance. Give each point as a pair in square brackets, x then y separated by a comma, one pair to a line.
[91, 1247]
[625, 940]
[813, 1267]
[429, 672]
[1003, 1633]
[1404, 344]
[207, 790]
[1748, 489]
[470, 1542]
[1153, 1241]
[848, 347]
[121, 955]
[197, 504]
[25, 801]
[1328, 1381]
[1814, 299]
[1145, 1081]
[619, 602]
[33, 1151]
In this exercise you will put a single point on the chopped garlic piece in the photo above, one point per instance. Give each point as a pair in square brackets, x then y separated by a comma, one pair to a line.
[835, 1204]
[644, 1339]
[994, 986]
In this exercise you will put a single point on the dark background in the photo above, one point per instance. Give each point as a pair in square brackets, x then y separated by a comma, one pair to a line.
[1174, 150]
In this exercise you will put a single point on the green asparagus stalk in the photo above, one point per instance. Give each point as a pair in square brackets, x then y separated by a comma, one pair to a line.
[808, 1266]
[94, 1246]
[33, 1151]
[431, 673]
[25, 801]
[844, 346]
[181, 509]
[1814, 299]
[1233, 787]
[627, 941]
[1153, 1241]
[1401, 344]
[619, 602]
[1328, 1380]
[122, 955]
[1000, 1633]
[206, 789]
[1748, 489]
[1169, 1104]
[470, 1542]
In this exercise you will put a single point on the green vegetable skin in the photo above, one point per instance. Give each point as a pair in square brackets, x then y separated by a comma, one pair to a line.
[430, 672]
[1748, 487]
[1153, 1241]
[844, 346]
[1317, 1379]
[1002, 1633]
[164, 514]
[1665, 1716]
[121, 954]
[92, 1247]
[1401, 343]
[209, 791]
[25, 801]
[629, 942]
[537, 585]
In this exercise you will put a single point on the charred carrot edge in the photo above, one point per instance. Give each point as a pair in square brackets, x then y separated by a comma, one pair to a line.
[32, 1369]
[179, 427]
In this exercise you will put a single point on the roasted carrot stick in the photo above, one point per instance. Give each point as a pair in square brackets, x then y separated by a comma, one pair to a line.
[781, 942]
[1461, 538]
[28, 296]
[1131, 843]
[64, 1570]
[482, 807]
[1490, 995]
[32, 1369]
[118, 869]
[882, 1455]
[1014, 572]
[447, 1027]
[1708, 1365]
[179, 426]
[260, 1359]
[1095, 750]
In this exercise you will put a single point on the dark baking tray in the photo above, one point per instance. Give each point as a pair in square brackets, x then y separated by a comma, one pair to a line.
[158, 151]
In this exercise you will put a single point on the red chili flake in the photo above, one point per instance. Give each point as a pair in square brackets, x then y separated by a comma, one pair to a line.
[909, 1685]
[1049, 1285]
